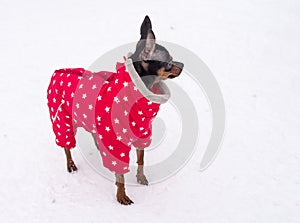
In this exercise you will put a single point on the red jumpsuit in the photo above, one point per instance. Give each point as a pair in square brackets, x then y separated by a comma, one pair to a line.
[107, 104]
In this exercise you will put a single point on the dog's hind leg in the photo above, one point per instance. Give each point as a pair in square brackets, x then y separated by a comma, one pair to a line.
[122, 198]
[71, 167]
[140, 176]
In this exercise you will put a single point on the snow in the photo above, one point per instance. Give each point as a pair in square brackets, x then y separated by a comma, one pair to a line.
[251, 46]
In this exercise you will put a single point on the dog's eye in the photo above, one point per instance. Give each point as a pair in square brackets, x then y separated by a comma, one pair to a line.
[168, 66]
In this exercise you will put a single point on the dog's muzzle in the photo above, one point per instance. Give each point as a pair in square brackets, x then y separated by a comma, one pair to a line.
[176, 69]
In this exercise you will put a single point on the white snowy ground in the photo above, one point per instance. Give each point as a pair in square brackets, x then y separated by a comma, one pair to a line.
[252, 47]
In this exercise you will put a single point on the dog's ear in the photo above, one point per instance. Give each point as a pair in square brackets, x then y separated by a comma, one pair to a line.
[150, 42]
[145, 27]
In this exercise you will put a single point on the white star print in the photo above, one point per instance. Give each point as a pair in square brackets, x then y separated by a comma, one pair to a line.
[143, 119]
[149, 102]
[53, 82]
[69, 84]
[114, 163]
[90, 107]
[107, 109]
[99, 118]
[84, 115]
[72, 95]
[84, 96]
[61, 83]
[80, 86]
[124, 130]
[141, 128]
[129, 143]
[104, 154]
[91, 77]
[145, 133]
[77, 105]
[68, 75]
[107, 129]
[119, 138]
[125, 98]
[54, 100]
[125, 113]
[99, 98]
[135, 88]
[94, 131]
[122, 154]
[100, 137]
[111, 147]
[125, 83]
[140, 112]
[116, 81]
[109, 89]
[117, 121]
[49, 92]
[94, 86]
[133, 123]
[116, 99]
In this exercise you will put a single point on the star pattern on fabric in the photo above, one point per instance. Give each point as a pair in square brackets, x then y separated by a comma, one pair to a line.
[116, 99]
[117, 121]
[110, 147]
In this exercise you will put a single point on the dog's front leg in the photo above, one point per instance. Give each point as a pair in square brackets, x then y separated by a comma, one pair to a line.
[71, 167]
[141, 178]
[122, 198]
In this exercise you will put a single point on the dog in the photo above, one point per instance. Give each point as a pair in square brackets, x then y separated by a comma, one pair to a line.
[116, 107]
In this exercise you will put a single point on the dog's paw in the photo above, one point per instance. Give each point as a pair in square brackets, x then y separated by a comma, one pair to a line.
[123, 199]
[141, 179]
[71, 167]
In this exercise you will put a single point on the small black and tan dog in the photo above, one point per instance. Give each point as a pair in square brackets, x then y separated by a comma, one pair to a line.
[153, 63]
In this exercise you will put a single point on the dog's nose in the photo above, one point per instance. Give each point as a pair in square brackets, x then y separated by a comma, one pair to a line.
[179, 65]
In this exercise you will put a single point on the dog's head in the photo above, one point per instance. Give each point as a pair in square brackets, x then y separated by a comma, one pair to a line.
[151, 58]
